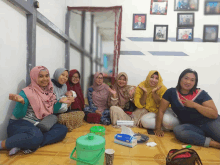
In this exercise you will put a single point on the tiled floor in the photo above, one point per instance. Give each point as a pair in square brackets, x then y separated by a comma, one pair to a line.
[58, 154]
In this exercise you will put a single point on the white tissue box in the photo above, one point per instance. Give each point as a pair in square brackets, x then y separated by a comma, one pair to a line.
[125, 122]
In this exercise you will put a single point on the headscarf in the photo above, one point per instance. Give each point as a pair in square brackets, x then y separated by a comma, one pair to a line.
[59, 89]
[41, 101]
[56, 76]
[147, 82]
[151, 105]
[122, 92]
[79, 100]
[100, 94]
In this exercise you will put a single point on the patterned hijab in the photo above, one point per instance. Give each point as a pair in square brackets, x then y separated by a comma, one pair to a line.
[41, 101]
[100, 94]
[122, 92]
[79, 100]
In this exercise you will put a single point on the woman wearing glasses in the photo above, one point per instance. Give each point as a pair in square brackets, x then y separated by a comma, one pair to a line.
[73, 116]
[98, 101]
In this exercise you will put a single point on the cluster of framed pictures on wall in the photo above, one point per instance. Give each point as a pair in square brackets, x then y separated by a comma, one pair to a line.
[159, 7]
[185, 24]
[185, 21]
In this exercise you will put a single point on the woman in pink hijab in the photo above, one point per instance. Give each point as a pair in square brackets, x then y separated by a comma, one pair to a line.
[34, 111]
[98, 101]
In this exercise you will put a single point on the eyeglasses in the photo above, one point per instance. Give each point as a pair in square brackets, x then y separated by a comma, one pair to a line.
[100, 78]
[75, 77]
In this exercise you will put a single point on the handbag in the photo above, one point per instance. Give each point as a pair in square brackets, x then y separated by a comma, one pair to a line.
[130, 106]
[47, 123]
[183, 156]
[93, 118]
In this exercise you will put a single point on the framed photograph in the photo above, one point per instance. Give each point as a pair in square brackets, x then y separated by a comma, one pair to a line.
[212, 7]
[184, 34]
[185, 19]
[160, 33]
[139, 22]
[158, 7]
[210, 33]
[186, 5]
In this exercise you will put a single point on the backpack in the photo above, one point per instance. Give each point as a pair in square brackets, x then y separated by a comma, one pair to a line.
[183, 156]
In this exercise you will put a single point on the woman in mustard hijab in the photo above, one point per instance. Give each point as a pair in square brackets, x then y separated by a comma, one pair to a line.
[147, 96]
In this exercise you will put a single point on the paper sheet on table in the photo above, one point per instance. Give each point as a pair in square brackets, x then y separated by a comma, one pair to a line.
[126, 130]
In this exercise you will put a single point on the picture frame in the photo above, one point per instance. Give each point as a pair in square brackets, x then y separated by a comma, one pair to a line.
[160, 33]
[184, 34]
[158, 7]
[185, 19]
[210, 33]
[139, 21]
[186, 5]
[212, 7]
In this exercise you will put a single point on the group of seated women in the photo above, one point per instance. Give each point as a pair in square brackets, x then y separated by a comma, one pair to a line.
[47, 109]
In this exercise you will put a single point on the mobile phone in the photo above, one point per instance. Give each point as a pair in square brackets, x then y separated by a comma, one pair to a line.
[150, 131]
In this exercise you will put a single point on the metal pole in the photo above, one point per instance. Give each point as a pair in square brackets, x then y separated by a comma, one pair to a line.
[31, 42]
[83, 45]
[91, 48]
[97, 48]
[67, 43]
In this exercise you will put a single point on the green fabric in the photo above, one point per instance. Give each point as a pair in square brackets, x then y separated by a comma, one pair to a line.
[20, 110]
[56, 107]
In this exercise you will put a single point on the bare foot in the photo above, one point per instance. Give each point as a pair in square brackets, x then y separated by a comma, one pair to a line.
[214, 144]
[3, 144]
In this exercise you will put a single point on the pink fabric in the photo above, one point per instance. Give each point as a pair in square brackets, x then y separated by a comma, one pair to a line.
[122, 92]
[100, 94]
[42, 101]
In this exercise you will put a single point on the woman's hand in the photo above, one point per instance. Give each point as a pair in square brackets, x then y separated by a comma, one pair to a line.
[17, 98]
[144, 89]
[131, 92]
[113, 92]
[188, 103]
[99, 112]
[159, 132]
[156, 89]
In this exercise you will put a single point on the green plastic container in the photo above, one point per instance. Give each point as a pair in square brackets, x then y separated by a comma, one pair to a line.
[98, 130]
[90, 150]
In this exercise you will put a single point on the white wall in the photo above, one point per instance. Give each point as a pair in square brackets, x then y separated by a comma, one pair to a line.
[50, 50]
[108, 47]
[203, 57]
[55, 11]
[13, 55]
[75, 60]
[75, 27]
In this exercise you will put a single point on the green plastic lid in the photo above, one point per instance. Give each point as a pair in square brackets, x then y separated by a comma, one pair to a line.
[97, 129]
[90, 141]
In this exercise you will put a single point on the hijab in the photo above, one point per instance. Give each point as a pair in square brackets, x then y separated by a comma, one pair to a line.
[56, 76]
[79, 100]
[100, 94]
[151, 105]
[147, 81]
[59, 89]
[122, 92]
[41, 101]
